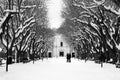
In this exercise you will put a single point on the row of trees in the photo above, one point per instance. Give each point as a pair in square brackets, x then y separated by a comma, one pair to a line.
[95, 28]
[23, 29]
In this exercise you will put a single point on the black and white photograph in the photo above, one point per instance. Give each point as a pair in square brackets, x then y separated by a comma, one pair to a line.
[59, 39]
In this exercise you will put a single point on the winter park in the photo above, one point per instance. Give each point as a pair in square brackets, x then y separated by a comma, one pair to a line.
[59, 39]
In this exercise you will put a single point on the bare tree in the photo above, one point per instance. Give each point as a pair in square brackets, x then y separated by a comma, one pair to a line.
[97, 20]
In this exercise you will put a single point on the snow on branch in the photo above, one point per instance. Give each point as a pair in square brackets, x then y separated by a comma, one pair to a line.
[26, 24]
[91, 32]
[25, 45]
[4, 42]
[79, 4]
[31, 6]
[96, 4]
[28, 7]
[4, 19]
[111, 46]
[95, 27]
[118, 46]
[11, 11]
[99, 2]
[112, 10]
[28, 20]
[85, 5]
[86, 13]
[78, 20]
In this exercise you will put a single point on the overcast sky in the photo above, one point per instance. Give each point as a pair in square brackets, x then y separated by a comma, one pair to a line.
[54, 13]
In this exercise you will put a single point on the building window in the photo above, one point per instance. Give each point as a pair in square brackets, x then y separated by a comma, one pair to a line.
[61, 44]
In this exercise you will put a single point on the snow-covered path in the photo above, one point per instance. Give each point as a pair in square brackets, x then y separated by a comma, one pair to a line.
[58, 69]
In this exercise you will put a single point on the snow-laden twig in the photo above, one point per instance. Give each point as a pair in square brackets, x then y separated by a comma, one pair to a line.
[31, 6]
[95, 27]
[28, 7]
[28, 20]
[112, 10]
[99, 2]
[111, 46]
[78, 20]
[91, 32]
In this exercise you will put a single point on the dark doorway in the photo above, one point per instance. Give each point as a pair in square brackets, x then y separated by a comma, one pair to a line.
[49, 54]
[61, 44]
[61, 54]
[73, 54]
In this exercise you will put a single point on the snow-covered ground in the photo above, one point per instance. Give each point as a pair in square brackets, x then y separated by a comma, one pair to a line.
[58, 69]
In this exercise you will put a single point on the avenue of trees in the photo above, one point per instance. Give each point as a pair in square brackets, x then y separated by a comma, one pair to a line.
[93, 27]
[23, 29]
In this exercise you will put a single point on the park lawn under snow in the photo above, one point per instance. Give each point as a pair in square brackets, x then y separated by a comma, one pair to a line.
[58, 69]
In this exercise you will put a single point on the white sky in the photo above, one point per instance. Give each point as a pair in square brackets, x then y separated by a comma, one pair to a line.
[54, 13]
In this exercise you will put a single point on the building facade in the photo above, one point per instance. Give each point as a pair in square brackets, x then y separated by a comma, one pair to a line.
[60, 47]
